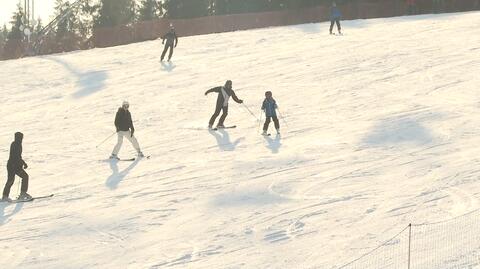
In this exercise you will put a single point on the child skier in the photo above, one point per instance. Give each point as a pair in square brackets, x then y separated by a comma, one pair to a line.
[224, 93]
[269, 106]
[335, 16]
[16, 166]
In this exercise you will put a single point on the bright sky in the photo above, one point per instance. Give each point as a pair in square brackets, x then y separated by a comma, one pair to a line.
[43, 9]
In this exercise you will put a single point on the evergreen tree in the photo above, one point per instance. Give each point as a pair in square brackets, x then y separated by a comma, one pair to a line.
[17, 24]
[115, 12]
[149, 10]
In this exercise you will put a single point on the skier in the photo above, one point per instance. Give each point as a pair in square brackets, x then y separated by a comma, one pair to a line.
[172, 41]
[269, 106]
[124, 125]
[16, 166]
[335, 16]
[224, 93]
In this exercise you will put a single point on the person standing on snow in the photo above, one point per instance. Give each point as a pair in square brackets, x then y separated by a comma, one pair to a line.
[16, 166]
[124, 125]
[172, 41]
[335, 16]
[269, 106]
[224, 93]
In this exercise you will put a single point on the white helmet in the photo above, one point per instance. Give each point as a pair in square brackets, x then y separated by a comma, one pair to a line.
[125, 104]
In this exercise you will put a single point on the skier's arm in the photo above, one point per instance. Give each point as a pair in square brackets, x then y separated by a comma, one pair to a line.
[263, 104]
[216, 89]
[176, 40]
[17, 155]
[235, 98]
[163, 38]
[117, 120]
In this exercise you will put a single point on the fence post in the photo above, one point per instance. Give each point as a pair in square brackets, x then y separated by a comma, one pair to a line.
[409, 242]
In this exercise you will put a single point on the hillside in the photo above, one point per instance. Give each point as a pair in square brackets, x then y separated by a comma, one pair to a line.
[381, 130]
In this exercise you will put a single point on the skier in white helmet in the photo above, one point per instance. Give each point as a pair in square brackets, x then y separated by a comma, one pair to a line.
[124, 125]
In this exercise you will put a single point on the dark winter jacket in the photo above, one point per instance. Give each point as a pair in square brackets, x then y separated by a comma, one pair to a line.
[335, 13]
[224, 95]
[170, 37]
[269, 105]
[123, 120]
[15, 160]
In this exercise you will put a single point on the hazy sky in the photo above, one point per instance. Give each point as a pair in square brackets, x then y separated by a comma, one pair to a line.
[43, 9]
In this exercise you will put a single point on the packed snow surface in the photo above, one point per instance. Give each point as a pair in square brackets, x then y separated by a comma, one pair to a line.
[380, 128]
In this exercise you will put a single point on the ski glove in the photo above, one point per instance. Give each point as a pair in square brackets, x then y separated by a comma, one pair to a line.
[25, 166]
[240, 101]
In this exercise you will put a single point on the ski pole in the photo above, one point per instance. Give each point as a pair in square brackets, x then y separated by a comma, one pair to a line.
[284, 121]
[105, 140]
[260, 121]
[251, 113]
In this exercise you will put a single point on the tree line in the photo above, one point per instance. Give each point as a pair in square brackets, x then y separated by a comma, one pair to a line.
[79, 18]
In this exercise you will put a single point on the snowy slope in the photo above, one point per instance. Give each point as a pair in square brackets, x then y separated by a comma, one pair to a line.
[382, 131]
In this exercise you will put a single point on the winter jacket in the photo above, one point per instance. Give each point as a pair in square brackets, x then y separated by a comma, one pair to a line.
[170, 37]
[335, 13]
[15, 160]
[224, 95]
[123, 120]
[269, 105]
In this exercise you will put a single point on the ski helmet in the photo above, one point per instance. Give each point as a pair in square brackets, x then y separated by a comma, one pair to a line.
[228, 84]
[125, 105]
[268, 94]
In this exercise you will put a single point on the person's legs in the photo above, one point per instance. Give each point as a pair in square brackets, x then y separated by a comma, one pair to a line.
[265, 125]
[332, 22]
[276, 122]
[117, 147]
[218, 108]
[8, 185]
[134, 142]
[164, 52]
[338, 26]
[171, 52]
[21, 173]
[224, 116]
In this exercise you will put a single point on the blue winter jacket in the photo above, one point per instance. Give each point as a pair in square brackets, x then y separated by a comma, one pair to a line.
[269, 106]
[335, 13]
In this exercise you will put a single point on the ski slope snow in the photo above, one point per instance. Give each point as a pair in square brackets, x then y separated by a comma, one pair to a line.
[380, 129]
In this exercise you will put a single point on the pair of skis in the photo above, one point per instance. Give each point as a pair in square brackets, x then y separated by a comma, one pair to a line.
[226, 127]
[131, 159]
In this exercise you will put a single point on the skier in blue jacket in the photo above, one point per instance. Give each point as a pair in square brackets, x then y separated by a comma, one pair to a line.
[335, 16]
[269, 106]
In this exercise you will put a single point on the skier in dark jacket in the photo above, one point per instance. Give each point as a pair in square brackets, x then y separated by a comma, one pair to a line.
[172, 41]
[335, 16]
[224, 93]
[124, 125]
[269, 106]
[16, 166]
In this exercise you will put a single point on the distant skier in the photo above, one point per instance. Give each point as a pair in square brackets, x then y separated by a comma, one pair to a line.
[224, 93]
[16, 166]
[172, 41]
[335, 16]
[269, 106]
[124, 125]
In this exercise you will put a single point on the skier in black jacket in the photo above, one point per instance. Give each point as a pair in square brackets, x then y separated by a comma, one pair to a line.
[16, 166]
[224, 93]
[172, 41]
[124, 125]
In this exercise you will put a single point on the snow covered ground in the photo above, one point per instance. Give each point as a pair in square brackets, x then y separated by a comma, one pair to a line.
[383, 130]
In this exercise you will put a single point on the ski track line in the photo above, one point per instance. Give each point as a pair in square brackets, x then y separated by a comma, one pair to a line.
[462, 201]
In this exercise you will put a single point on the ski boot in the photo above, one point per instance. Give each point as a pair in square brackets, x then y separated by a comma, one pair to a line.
[140, 154]
[278, 131]
[220, 126]
[24, 196]
[264, 133]
[6, 199]
[114, 157]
